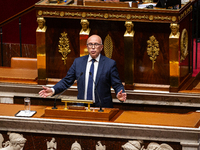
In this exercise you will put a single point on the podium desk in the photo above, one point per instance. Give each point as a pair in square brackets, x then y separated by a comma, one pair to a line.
[167, 70]
[181, 131]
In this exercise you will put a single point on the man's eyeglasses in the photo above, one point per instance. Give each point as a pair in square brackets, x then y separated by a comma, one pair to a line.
[90, 45]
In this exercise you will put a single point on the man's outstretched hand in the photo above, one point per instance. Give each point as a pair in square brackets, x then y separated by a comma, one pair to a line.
[121, 96]
[46, 92]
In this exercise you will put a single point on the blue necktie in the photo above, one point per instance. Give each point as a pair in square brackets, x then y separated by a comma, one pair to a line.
[90, 81]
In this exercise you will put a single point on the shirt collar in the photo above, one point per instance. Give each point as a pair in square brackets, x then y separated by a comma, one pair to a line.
[97, 59]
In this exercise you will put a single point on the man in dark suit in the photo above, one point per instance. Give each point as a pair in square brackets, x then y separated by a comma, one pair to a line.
[104, 76]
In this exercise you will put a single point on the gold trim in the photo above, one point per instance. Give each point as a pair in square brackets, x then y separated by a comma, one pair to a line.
[174, 68]
[62, 13]
[109, 15]
[184, 44]
[162, 18]
[55, 13]
[89, 102]
[106, 15]
[185, 12]
[64, 46]
[40, 12]
[128, 16]
[174, 18]
[153, 49]
[151, 17]
[84, 14]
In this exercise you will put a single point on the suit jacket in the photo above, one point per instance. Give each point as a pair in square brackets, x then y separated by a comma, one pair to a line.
[107, 76]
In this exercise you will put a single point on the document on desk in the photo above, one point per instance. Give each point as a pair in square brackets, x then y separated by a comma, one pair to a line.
[146, 4]
[23, 113]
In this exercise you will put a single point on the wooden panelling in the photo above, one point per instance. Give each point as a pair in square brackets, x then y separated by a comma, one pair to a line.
[143, 71]
[55, 65]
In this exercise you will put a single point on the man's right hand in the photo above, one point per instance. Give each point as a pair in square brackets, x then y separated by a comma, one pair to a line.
[46, 92]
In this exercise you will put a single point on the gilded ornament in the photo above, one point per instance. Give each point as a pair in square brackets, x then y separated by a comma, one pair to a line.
[151, 17]
[184, 44]
[173, 18]
[153, 49]
[84, 14]
[63, 47]
[105, 15]
[40, 12]
[108, 46]
[85, 27]
[128, 16]
[41, 25]
[185, 13]
[129, 29]
[62, 13]
[174, 30]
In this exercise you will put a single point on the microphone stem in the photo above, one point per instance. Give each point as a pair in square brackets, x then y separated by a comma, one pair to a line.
[54, 107]
[100, 107]
[100, 110]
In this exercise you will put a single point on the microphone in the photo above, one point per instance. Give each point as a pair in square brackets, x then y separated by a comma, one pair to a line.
[95, 88]
[54, 107]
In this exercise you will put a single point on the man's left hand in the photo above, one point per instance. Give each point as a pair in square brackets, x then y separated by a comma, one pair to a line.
[121, 96]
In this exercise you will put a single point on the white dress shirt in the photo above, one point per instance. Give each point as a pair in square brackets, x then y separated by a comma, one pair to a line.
[89, 63]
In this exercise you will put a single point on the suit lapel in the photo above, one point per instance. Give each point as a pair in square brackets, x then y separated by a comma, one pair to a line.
[100, 67]
[84, 64]
[83, 68]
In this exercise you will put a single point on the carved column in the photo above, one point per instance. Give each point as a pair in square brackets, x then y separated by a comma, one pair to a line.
[41, 50]
[129, 55]
[174, 57]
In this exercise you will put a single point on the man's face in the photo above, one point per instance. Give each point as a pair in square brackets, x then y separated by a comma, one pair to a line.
[93, 50]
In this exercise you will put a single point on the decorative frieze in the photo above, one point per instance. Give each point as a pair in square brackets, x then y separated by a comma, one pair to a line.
[98, 15]
[186, 12]
[17, 142]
